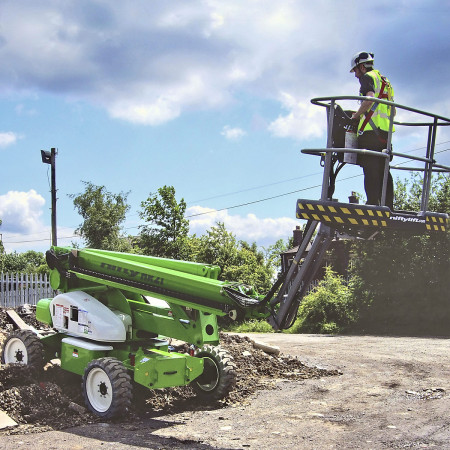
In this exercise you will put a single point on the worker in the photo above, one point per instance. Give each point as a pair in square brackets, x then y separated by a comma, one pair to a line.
[373, 126]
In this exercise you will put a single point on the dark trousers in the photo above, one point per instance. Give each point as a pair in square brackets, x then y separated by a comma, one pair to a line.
[373, 169]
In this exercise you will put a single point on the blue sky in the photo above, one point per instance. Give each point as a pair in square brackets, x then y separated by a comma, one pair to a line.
[211, 97]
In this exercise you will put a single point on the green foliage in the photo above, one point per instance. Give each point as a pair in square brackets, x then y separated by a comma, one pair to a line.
[273, 252]
[239, 261]
[403, 284]
[249, 267]
[218, 246]
[103, 214]
[402, 281]
[250, 326]
[329, 308]
[166, 231]
[408, 193]
[27, 262]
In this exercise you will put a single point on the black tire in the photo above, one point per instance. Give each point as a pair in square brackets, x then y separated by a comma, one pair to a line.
[219, 374]
[107, 387]
[23, 347]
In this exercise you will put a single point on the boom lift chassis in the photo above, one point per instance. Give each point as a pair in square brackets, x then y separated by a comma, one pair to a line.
[115, 314]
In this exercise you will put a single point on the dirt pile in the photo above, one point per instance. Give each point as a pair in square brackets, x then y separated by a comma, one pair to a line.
[34, 404]
[51, 399]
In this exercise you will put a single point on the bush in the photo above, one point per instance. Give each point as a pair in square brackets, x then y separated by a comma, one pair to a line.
[250, 326]
[402, 284]
[329, 308]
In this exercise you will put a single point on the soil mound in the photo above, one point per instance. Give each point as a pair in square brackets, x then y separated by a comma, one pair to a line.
[52, 398]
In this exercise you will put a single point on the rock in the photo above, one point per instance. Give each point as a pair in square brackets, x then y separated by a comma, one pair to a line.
[271, 349]
[77, 408]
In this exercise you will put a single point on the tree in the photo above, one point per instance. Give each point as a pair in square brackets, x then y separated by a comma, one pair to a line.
[166, 230]
[408, 194]
[103, 214]
[401, 281]
[250, 267]
[2, 249]
[218, 246]
[27, 262]
[238, 261]
[273, 252]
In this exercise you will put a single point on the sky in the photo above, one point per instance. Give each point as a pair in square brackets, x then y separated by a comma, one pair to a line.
[211, 97]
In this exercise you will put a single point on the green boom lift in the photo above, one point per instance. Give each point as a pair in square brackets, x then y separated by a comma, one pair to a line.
[115, 313]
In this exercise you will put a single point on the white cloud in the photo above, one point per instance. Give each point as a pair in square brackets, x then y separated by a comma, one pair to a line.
[21, 212]
[150, 62]
[233, 134]
[8, 138]
[303, 120]
[22, 225]
[161, 111]
[263, 231]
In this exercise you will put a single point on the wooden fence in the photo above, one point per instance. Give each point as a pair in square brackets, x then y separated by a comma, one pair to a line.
[23, 288]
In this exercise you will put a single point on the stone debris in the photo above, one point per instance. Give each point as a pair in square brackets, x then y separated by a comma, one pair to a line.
[427, 393]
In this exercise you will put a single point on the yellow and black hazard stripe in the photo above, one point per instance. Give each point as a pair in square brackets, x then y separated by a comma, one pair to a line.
[436, 222]
[343, 214]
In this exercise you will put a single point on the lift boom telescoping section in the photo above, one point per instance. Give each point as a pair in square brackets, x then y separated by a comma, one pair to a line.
[183, 283]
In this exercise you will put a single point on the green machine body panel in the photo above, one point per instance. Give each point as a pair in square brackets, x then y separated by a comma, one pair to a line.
[77, 353]
[43, 311]
[159, 369]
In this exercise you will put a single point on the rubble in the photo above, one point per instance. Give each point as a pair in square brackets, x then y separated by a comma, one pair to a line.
[52, 399]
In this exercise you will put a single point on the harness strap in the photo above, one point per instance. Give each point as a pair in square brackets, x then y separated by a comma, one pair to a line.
[369, 114]
[377, 132]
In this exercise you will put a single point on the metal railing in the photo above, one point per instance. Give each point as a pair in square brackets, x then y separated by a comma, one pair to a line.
[430, 164]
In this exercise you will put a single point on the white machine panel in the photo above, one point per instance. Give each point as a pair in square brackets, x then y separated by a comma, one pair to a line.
[80, 314]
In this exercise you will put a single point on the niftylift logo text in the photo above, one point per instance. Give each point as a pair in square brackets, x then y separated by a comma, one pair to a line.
[134, 274]
[407, 219]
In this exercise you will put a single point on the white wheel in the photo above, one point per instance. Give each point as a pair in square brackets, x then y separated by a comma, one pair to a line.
[99, 390]
[23, 347]
[107, 387]
[209, 380]
[219, 374]
[15, 352]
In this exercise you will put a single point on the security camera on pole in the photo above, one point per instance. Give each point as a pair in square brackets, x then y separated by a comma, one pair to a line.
[50, 158]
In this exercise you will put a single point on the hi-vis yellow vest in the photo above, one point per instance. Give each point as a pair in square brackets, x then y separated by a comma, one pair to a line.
[380, 113]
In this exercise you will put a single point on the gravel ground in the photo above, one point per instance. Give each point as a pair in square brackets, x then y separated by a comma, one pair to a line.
[358, 392]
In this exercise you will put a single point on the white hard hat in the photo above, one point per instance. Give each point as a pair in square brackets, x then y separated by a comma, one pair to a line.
[361, 57]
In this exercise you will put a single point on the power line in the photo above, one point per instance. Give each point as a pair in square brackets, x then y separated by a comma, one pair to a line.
[242, 204]
[255, 187]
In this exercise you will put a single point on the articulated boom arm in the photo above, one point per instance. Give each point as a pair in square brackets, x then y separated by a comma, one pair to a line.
[182, 283]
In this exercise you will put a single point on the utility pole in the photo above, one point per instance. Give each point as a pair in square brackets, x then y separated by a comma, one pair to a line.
[50, 158]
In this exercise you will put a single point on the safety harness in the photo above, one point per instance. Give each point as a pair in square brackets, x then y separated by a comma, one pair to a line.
[370, 113]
